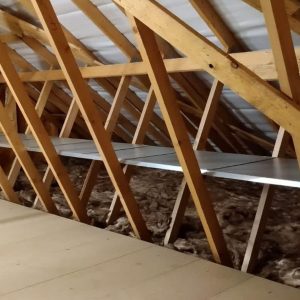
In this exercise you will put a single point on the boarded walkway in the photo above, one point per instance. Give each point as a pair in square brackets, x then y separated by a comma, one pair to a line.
[253, 168]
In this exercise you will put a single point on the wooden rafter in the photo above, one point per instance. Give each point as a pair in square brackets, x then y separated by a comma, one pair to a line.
[104, 24]
[217, 25]
[291, 8]
[265, 98]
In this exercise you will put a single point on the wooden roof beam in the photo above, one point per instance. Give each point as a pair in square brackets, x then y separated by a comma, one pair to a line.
[20, 27]
[105, 25]
[214, 21]
[264, 97]
[259, 62]
[291, 8]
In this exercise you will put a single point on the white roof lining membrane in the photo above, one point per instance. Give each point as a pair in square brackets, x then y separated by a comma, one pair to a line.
[247, 24]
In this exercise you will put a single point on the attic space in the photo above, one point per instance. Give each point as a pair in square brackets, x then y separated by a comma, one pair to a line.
[149, 149]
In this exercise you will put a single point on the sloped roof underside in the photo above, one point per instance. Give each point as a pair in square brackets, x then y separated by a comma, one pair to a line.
[245, 22]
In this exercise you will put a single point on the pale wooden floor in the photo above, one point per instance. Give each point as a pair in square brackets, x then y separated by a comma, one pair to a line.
[47, 257]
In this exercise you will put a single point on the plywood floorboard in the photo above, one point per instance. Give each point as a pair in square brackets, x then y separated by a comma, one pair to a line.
[48, 257]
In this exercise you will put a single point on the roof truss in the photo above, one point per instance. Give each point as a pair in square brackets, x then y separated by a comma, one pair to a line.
[63, 90]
